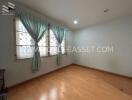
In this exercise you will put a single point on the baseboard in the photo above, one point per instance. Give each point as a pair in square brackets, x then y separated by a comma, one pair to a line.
[26, 81]
[119, 75]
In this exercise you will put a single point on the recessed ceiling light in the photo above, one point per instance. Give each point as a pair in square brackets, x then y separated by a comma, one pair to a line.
[106, 10]
[75, 21]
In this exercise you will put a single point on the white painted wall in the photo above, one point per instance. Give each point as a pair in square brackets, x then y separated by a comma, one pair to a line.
[18, 71]
[117, 33]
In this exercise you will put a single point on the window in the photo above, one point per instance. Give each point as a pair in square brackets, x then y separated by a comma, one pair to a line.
[53, 43]
[25, 43]
[43, 45]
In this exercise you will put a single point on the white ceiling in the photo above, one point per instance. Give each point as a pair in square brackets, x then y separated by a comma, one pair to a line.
[87, 12]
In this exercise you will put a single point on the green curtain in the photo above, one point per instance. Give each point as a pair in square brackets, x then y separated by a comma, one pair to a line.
[59, 35]
[36, 28]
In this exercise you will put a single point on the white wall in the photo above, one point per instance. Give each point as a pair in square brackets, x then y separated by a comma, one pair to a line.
[117, 33]
[18, 71]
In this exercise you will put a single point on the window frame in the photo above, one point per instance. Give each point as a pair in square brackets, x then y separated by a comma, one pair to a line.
[48, 32]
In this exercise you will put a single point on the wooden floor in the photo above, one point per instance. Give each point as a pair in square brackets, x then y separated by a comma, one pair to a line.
[74, 83]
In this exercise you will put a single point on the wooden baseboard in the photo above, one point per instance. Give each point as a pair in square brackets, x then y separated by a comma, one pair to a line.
[24, 82]
[119, 75]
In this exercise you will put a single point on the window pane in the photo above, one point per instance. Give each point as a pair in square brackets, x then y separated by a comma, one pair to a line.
[53, 44]
[43, 45]
[53, 50]
[22, 36]
[63, 46]
[24, 52]
[63, 50]
[44, 40]
[24, 39]
[19, 26]
[63, 43]
[43, 51]
[53, 41]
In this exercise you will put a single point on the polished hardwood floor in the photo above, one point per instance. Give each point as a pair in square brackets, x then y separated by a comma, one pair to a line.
[74, 83]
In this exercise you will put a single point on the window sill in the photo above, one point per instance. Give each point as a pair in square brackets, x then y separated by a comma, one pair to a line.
[16, 58]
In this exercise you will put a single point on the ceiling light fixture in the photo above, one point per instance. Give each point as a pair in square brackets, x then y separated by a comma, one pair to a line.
[106, 10]
[75, 22]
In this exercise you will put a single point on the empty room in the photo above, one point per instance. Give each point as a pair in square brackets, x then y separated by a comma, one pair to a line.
[65, 49]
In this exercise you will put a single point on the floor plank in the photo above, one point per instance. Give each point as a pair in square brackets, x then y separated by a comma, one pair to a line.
[74, 83]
